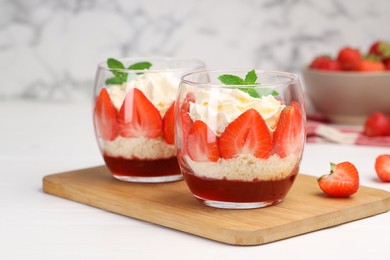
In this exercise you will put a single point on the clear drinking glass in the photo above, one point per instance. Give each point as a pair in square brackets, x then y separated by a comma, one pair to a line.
[240, 145]
[133, 116]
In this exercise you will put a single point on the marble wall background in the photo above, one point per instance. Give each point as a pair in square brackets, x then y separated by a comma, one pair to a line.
[49, 49]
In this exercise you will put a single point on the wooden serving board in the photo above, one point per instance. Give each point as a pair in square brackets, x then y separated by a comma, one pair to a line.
[305, 208]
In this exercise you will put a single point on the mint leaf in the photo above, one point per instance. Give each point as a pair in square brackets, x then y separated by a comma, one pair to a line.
[120, 77]
[251, 91]
[259, 92]
[115, 64]
[251, 77]
[228, 79]
[143, 65]
[266, 92]
[115, 81]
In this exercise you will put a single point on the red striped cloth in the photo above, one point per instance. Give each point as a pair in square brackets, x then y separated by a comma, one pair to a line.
[322, 132]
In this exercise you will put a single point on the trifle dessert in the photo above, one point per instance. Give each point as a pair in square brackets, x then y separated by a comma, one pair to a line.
[241, 136]
[134, 117]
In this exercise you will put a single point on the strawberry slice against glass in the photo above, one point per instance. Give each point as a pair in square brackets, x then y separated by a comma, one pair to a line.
[343, 180]
[105, 116]
[185, 118]
[288, 133]
[138, 117]
[247, 134]
[168, 125]
[202, 143]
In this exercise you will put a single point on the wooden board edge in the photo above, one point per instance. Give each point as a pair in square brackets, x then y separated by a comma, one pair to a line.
[231, 237]
[315, 223]
[55, 189]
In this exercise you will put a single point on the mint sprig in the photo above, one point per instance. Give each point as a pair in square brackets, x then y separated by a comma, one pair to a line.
[228, 79]
[250, 79]
[120, 77]
[143, 65]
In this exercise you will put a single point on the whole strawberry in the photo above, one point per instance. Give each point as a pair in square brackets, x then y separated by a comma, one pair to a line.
[380, 49]
[374, 49]
[377, 124]
[325, 63]
[387, 64]
[349, 58]
[343, 180]
[382, 167]
[367, 65]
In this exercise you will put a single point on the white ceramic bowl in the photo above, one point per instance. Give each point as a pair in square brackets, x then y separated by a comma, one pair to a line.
[348, 97]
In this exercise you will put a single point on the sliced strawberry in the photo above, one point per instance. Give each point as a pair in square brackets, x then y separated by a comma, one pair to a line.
[382, 167]
[247, 134]
[288, 135]
[189, 98]
[185, 119]
[202, 143]
[168, 125]
[343, 180]
[138, 117]
[377, 124]
[186, 123]
[105, 116]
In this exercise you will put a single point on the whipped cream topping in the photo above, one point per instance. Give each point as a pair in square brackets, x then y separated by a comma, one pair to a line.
[218, 107]
[160, 88]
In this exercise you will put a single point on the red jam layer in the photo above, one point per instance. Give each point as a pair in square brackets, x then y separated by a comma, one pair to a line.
[142, 168]
[238, 191]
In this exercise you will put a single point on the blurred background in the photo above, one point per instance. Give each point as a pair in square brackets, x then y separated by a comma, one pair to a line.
[49, 49]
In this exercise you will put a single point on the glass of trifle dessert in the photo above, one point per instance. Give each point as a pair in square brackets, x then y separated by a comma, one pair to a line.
[240, 136]
[133, 112]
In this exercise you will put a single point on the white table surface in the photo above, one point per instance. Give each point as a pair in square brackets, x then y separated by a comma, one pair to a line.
[37, 139]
